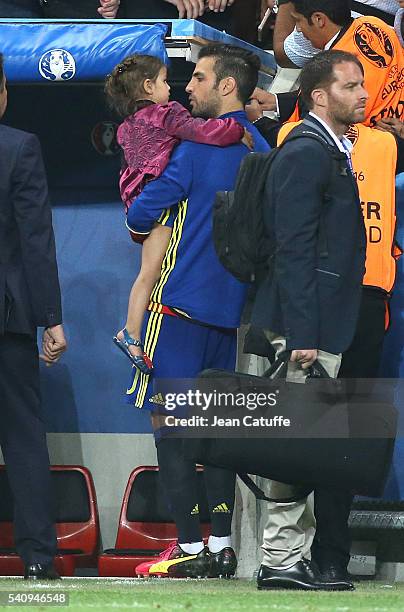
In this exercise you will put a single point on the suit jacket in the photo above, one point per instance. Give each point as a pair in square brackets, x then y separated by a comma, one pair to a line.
[29, 284]
[287, 104]
[312, 212]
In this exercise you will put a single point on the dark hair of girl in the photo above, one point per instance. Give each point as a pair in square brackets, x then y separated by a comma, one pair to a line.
[125, 85]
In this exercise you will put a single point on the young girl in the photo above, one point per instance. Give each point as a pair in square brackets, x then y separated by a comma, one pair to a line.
[138, 90]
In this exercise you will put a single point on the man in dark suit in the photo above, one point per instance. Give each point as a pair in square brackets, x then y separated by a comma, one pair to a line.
[310, 302]
[29, 298]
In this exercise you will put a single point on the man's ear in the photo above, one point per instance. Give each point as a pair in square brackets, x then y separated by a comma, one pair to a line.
[319, 19]
[319, 97]
[227, 86]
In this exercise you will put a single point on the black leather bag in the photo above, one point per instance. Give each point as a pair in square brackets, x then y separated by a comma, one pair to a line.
[357, 457]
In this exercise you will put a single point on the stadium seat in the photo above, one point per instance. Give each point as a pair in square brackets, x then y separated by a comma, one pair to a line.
[145, 525]
[76, 518]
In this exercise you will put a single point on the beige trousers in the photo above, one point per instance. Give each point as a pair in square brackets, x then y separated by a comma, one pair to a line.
[290, 528]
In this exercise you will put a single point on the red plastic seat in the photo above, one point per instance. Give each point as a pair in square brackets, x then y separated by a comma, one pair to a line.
[76, 518]
[145, 525]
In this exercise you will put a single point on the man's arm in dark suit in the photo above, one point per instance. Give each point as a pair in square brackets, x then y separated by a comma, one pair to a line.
[34, 219]
[298, 188]
[287, 103]
[269, 129]
[283, 103]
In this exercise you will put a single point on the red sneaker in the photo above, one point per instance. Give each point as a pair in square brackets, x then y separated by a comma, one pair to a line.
[142, 570]
[175, 563]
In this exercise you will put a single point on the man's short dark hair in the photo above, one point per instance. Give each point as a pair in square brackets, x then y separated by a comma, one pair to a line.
[319, 72]
[338, 11]
[234, 62]
[1, 72]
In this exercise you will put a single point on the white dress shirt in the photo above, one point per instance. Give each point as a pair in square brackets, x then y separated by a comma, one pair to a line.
[344, 144]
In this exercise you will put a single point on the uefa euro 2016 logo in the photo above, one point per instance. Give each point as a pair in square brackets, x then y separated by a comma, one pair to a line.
[103, 138]
[57, 65]
[374, 44]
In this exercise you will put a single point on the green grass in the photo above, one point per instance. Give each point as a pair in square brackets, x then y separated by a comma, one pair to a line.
[207, 595]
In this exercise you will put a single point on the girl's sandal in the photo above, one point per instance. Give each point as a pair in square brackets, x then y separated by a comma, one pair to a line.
[142, 362]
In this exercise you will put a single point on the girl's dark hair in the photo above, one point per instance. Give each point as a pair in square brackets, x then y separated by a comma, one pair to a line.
[125, 83]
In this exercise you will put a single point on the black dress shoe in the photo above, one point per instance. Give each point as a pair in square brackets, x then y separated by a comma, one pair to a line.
[302, 576]
[37, 571]
[337, 576]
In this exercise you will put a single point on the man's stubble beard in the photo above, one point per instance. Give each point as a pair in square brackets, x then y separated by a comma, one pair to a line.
[346, 117]
[209, 109]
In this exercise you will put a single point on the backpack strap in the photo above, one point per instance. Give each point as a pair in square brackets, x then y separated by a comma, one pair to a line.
[327, 142]
[324, 138]
[301, 492]
[324, 135]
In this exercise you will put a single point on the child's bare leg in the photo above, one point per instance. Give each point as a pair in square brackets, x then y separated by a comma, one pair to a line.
[153, 251]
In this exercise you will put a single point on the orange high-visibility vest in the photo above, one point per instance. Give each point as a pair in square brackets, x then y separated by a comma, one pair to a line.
[378, 48]
[374, 159]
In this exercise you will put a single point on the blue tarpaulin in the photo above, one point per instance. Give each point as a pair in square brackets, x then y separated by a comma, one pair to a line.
[46, 51]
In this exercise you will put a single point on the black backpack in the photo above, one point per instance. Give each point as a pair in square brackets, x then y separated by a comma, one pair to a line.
[241, 242]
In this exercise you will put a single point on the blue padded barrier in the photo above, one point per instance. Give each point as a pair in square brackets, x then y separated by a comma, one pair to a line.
[81, 51]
